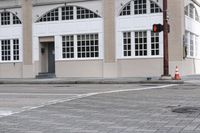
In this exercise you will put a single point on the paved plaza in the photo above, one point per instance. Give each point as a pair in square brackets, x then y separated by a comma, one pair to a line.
[100, 108]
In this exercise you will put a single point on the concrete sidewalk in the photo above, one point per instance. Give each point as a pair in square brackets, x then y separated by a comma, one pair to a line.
[136, 80]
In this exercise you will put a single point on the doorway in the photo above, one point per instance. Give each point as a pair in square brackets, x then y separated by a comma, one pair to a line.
[47, 52]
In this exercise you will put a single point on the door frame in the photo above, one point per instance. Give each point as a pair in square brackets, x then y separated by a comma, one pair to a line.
[44, 43]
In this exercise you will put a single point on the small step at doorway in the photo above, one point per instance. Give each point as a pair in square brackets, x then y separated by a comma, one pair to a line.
[45, 75]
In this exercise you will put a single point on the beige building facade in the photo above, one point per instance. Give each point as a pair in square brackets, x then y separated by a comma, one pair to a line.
[96, 38]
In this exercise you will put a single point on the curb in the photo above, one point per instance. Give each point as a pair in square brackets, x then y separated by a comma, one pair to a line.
[90, 82]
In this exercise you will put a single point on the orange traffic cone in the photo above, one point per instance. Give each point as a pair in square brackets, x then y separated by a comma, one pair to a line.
[177, 75]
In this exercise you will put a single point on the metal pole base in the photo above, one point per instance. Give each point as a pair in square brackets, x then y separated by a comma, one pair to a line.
[166, 77]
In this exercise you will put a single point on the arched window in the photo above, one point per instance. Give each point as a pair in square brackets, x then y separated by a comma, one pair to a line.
[126, 10]
[196, 16]
[83, 13]
[140, 7]
[16, 20]
[8, 18]
[191, 11]
[50, 16]
[68, 13]
[154, 7]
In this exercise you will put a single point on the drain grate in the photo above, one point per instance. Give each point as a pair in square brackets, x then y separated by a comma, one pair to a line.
[189, 110]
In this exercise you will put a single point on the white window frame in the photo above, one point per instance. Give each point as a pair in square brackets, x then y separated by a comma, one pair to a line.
[11, 51]
[10, 22]
[100, 54]
[133, 54]
[194, 16]
[196, 45]
[132, 8]
[41, 19]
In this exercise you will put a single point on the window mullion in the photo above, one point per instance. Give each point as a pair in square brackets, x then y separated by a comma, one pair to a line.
[59, 13]
[189, 41]
[75, 12]
[11, 18]
[133, 44]
[132, 8]
[11, 50]
[75, 47]
[148, 43]
[148, 7]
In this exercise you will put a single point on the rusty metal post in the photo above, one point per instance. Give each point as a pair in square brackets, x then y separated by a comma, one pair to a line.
[165, 37]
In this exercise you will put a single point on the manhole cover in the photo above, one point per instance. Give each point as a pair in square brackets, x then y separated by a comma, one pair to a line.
[186, 110]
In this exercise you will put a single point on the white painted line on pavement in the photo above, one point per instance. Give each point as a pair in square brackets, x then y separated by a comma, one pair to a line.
[84, 96]
[5, 113]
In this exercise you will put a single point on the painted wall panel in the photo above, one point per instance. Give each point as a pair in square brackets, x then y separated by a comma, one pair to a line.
[70, 27]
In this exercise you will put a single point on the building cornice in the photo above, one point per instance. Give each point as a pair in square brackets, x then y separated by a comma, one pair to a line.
[46, 3]
[60, 2]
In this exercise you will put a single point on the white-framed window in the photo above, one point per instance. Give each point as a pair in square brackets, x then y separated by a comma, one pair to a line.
[138, 7]
[15, 49]
[155, 46]
[154, 7]
[196, 16]
[50, 16]
[88, 46]
[5, 18]
[10, 50]
[83, 13]
[126, 10]
[196, 46]
[138, 44]
[81, 46]
[8, 18]
[192, 43]
[186, 11]
[68, 13]
[141, 43]
[5, 50]
[187, 43]
[191, 11]
[16, 20]
[127, 43]
[68, 46]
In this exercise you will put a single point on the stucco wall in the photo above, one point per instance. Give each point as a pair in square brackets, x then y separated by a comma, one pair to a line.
[79, 68]
[11, 70]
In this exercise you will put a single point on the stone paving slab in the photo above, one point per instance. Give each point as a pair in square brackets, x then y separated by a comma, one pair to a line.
[147, 111]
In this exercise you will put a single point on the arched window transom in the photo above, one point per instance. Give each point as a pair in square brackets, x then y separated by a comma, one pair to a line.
[68, 13]
[8, 18]
[191, 12]
[138, 7]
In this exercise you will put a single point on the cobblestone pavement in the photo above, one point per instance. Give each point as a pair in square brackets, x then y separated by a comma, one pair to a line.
[79, 109]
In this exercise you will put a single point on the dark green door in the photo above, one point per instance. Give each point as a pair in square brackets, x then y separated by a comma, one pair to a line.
[51, 58]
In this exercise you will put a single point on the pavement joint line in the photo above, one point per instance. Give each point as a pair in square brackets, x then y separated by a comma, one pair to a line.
[80, 96]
